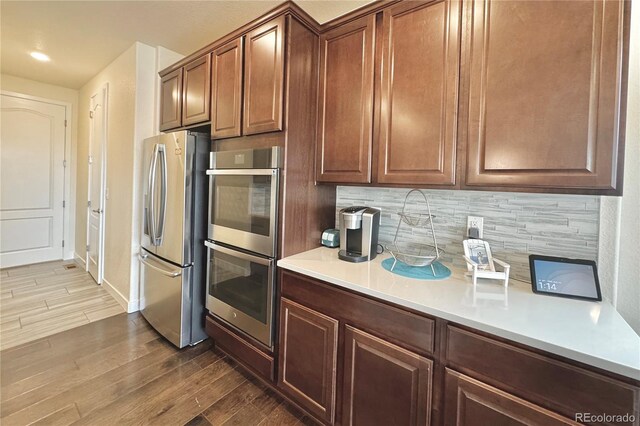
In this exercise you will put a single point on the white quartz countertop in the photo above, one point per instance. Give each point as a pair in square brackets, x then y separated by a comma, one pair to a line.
[590, 332]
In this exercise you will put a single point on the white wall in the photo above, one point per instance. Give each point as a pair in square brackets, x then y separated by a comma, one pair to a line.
[132, 117]
[36, 89]
[149, 61]
[145, 118]
[130, 112]
[619, 248]
[120, 76]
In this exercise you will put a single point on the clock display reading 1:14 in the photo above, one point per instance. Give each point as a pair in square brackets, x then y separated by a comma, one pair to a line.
[548, 285]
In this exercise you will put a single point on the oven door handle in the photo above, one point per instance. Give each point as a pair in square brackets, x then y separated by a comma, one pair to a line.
[242, 172]
[239, 254]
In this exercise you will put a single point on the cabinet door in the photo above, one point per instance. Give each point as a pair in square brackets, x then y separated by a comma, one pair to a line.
[471, 402]
[345, 111]
[419, 93]
[384, 384]
[308, 356]
[171, 100]
[196, 91]
[226, 95]
[264, 75]
[544, 93]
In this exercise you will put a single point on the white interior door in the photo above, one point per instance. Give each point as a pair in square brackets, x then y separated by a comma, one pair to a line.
[97, 183]
[32, 146]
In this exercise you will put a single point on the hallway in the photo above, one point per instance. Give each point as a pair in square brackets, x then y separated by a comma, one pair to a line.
[42, 299]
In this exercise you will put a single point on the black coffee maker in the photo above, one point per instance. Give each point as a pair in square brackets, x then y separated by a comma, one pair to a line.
[359, 228]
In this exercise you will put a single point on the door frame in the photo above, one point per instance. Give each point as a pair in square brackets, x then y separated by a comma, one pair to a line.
[105, 89]
[69, 165]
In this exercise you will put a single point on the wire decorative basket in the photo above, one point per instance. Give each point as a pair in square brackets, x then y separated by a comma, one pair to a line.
[411, 253]
[416, 220]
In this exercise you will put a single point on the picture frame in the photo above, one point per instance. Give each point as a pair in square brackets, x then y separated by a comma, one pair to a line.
[479, 252]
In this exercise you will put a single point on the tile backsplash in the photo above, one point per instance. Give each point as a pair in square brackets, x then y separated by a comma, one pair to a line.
[515, 224]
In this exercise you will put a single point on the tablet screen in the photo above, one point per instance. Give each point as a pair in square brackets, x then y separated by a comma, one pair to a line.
[564, 277]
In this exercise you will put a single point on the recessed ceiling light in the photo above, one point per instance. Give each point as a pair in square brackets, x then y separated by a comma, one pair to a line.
[40, 56]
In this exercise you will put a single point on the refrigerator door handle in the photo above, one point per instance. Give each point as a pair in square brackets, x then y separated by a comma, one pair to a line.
[163, 195]
[173, 274]
[151, 199]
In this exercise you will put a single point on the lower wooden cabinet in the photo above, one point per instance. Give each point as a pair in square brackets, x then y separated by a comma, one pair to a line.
[351, 360]
[559, 386]
[258, 361]
[383, 384]
[471, 402]
[308, 358]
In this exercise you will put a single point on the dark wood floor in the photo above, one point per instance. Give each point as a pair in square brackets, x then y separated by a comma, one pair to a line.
[120, 371]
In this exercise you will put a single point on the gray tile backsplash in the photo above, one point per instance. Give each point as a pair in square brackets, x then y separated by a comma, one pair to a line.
[515, 224]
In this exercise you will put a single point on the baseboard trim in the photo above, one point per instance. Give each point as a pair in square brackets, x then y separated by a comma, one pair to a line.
[79, 258]
[134, 306]
[128, 305]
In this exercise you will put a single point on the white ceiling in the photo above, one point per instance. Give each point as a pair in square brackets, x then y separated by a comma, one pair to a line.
[82, 37]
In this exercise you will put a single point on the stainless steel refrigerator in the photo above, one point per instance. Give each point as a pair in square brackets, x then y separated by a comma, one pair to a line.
[172, 255]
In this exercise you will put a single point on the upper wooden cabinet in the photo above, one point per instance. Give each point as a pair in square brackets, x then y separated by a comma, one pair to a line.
[419, 93]
[308, 357]
[264, 76]
[196, 91]
[210, 88]
[226, 94]
[516, 94]
[345, 111]
[544, 93]
[171, 100]
[383, 384]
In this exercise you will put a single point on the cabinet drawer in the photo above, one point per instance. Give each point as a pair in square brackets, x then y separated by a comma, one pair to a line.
[471, 402]
[242, 351]
[564, 388]
[401, 327]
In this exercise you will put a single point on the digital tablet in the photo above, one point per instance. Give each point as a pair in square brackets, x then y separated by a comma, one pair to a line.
[557, 276]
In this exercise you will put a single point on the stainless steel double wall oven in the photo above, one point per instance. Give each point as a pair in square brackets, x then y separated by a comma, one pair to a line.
[242, 239]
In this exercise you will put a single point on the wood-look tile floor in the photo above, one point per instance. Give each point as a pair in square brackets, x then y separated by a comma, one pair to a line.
[119, 371]
[46, 298]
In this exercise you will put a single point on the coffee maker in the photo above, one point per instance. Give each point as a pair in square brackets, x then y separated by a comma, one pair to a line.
[359, 228]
